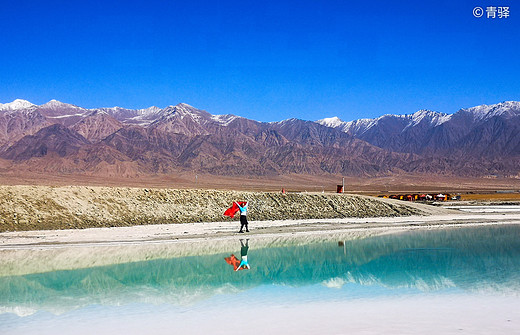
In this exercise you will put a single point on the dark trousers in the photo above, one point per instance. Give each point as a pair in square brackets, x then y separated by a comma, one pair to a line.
[243, 222]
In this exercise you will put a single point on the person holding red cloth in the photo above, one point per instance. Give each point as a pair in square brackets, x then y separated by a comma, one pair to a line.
[243, 217]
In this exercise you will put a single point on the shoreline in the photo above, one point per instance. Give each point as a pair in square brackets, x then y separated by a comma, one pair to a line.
[163, 233]
[29, 252]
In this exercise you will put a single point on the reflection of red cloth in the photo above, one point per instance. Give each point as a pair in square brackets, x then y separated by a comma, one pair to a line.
[233, 260]
[231, 211]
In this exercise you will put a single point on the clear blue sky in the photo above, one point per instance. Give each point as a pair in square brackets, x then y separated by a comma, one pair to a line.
[265, 60]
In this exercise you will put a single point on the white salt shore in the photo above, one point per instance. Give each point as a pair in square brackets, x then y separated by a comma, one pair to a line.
[227, 230]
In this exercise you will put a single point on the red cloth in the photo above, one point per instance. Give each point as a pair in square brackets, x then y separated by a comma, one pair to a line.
[234, 261]
[231, 211]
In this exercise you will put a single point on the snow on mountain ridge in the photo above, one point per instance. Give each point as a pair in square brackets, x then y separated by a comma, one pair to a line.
[181, 111]
[55, 105]
[66, 116]
[152, 110]
[433, 118]
[360, 126]
[332, 122]
[284, 122]
[16, 104]
[184, 110]
[354, 126]
[484, 112]
[151, 114]
[225, 119]
[112, 110]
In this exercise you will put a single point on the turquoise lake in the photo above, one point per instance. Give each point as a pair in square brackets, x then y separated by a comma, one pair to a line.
[422, 281]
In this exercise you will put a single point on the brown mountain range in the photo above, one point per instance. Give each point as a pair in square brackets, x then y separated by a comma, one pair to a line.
[63, 138]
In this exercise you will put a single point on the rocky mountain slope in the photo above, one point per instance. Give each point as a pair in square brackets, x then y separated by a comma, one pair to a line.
[62, 138]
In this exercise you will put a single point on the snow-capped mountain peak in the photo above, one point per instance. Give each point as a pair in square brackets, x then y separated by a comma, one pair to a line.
[360, 126]
[181, 111]
[433, 118]
[185, 105]
[332, 122]
[55, 105]
[484, 112]
[16, 104]
[285, 122]
[54, 102]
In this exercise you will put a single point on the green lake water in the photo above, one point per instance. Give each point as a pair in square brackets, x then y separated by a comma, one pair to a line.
[480, 263]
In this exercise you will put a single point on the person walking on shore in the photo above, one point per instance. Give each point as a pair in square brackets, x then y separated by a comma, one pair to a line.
[243, 217]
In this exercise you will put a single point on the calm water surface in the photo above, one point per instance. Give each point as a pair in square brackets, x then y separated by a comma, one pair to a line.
[418, 281]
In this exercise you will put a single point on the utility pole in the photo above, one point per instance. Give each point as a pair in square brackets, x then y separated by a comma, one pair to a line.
[343, 185]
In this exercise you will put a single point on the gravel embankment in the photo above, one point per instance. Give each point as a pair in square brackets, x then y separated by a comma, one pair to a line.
[44, 207]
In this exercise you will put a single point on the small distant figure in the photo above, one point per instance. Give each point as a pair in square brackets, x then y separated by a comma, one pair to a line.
[283, 190]
[243, 217]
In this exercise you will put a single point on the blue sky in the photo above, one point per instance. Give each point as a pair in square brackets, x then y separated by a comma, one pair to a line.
[260, 59]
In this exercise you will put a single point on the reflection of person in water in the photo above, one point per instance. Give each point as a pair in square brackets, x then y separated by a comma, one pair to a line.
[243, 254]
[240, 264]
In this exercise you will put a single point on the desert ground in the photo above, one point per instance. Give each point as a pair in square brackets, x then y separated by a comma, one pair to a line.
[292, 182]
